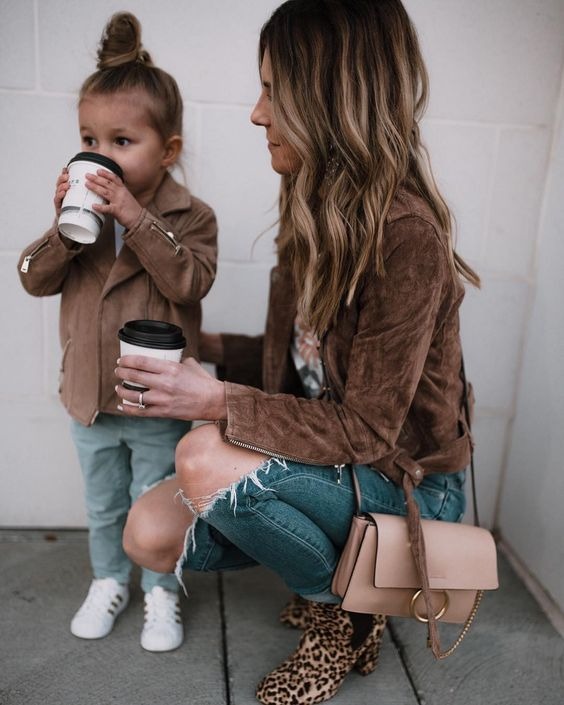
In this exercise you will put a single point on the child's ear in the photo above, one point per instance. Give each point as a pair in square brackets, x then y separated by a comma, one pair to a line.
[173, 147]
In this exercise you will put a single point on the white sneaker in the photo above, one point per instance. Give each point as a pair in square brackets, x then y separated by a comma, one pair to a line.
[163, 629]
[105, 600]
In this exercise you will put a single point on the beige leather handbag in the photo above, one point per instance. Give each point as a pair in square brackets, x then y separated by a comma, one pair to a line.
[377, 572]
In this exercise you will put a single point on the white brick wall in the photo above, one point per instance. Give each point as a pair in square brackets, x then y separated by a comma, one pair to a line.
[531, 513]
[495, 68]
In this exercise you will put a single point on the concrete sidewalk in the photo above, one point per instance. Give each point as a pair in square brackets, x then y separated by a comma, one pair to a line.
[512, 655]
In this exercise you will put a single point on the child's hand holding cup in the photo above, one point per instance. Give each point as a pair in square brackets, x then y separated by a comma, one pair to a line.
[78, 220]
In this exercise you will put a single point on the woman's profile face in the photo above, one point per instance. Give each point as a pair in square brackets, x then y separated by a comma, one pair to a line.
[284, 158]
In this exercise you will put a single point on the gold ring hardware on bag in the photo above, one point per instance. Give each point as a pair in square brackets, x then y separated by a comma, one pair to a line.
[419, 617]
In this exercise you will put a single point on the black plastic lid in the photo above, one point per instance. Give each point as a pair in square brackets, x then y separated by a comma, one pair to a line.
[153, 334]
[100, 159]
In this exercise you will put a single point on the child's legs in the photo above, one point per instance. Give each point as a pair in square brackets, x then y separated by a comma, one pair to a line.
[153, 444]
[105, 464]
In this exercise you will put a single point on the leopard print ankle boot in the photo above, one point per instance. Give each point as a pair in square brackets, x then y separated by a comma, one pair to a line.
[327, 652]
[294, 614]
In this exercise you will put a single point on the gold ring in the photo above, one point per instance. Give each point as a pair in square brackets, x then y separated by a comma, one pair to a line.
[419, 617]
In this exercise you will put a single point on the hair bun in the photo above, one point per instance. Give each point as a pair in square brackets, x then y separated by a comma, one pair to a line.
[121, 42]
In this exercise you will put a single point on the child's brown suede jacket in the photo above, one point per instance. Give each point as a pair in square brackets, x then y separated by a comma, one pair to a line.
[155, 275]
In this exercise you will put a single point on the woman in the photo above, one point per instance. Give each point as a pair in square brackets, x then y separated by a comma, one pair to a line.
[366, 267]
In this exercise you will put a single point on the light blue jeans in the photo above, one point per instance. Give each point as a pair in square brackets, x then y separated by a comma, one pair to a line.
[295, 519]
[120, 457]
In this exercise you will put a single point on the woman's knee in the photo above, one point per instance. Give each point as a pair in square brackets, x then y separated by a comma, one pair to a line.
[195, 456]
[206, 464]
[152, 538]
[139, 542]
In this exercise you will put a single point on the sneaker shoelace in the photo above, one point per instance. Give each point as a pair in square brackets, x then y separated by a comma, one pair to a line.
[100, 600]
[161, 606]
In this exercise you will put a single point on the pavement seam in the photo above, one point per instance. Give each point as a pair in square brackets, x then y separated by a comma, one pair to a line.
[402, 657]
[224, 646]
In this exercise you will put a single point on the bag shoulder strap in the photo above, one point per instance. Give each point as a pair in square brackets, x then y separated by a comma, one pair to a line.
[466, 403]
[413, 519]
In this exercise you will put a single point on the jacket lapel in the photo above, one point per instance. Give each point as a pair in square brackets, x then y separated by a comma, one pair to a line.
[125, 266]
[100, 256]
[170, 197]
[276, 343]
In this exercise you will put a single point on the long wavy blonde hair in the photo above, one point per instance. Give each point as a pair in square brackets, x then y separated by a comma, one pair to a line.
[349, 88]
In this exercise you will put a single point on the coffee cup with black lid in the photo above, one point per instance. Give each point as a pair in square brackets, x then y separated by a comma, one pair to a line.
[78, 220]
[157, 339]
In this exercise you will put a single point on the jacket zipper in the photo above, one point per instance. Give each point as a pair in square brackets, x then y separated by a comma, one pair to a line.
[275, 454]
[167, 235]
[263, 451]
[271, 453]
[98, 360]
[27, 259]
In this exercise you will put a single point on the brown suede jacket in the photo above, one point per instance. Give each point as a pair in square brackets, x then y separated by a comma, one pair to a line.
[392, 363]
[154, 276]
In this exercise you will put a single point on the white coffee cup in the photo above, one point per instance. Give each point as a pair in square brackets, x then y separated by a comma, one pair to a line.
[78, 220]
[157, 339]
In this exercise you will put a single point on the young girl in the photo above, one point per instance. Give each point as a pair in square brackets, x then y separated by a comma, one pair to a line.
[155, 259]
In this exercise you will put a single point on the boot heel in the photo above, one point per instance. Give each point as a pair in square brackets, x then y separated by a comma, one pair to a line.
[368, 658]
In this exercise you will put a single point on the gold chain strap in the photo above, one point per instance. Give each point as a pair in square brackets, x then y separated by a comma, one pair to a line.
[465, 628]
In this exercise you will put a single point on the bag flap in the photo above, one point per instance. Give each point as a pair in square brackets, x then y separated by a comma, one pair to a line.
[459, 556]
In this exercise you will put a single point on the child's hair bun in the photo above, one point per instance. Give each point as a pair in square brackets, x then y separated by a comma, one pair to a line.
[124, 66]
[121, 42]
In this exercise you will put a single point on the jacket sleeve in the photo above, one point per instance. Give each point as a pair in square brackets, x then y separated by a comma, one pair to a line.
[43, 266]
[180, 258]
[242, 359]
[396, 321]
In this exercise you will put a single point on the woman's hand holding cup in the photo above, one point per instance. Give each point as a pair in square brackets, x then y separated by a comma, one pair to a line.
[174, 390]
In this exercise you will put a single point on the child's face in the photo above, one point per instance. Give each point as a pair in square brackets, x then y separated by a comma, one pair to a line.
[117, 126]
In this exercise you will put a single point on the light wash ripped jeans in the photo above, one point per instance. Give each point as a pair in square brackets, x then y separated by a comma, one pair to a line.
[295, 519]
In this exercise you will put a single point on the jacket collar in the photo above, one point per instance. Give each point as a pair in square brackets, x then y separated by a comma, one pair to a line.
[405, 205]
[170, 197]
